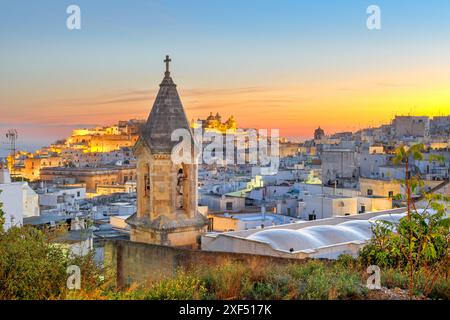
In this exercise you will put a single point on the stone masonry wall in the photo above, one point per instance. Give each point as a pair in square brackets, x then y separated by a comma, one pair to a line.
[143, 263]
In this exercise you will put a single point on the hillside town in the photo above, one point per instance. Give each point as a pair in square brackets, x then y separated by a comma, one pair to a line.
[143, 200]
[220, 159]
[92, 177]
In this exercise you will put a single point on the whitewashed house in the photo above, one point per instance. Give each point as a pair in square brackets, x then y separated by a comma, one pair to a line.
[18, 199]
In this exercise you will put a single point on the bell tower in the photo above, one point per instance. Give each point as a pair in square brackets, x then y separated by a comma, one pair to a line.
[167, 212]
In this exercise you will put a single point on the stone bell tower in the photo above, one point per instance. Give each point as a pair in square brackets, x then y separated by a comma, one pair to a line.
[167, 212]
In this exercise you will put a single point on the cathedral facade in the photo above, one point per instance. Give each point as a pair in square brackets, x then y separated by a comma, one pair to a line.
[214, 123]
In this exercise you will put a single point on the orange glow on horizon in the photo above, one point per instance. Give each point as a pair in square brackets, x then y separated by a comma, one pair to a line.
[295, 109]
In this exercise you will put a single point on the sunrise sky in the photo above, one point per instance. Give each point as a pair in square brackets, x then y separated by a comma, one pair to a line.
[287, 64]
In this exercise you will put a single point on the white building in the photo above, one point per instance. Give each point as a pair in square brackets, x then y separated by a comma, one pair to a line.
[326, 206]
[287, 207]
[222, 203]
[340, 166]
[411, 126]
[370, 164]
[61, 198]
[18, 199]
[434, 170]
[440, 124]
[305, 189]
[280, 177]
[396, 172]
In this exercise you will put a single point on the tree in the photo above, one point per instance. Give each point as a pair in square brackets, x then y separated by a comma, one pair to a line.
[420, 242]
[32, 267]
[403, 156]
[2, 217]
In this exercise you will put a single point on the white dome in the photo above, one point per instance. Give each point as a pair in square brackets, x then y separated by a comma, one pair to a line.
[394, 218]
[335, 234]
[285, 239]
[363, 226]
[323, 235]
[312, 237]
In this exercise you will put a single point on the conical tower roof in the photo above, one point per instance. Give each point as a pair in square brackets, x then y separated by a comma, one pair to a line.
[166, 116]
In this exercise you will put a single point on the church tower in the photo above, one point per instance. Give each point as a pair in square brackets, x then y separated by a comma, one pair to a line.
[167, 208]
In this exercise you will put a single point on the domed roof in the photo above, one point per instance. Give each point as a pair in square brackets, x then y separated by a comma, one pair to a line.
[363, 226]
[319, 133]
[335, 234]
[285, 239]
[394, 218]
[322, 235]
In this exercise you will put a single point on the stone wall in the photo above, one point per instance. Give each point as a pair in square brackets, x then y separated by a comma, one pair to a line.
[143, 263]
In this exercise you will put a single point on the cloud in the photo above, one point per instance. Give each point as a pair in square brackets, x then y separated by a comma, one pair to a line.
[195, 99]
[229, 91]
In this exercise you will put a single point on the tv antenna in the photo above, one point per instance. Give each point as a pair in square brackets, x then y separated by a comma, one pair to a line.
[12, 136]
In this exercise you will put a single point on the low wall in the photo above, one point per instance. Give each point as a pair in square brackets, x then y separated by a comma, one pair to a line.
[143, 263]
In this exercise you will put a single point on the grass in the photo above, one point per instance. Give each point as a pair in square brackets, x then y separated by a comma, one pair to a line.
[311, 280]
[394, 278]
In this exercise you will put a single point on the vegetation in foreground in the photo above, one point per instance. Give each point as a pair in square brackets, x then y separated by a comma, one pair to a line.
[32, 268]
[312, 280]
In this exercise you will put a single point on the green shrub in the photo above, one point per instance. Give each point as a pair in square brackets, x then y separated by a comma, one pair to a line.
[31, 267]
[260, 291]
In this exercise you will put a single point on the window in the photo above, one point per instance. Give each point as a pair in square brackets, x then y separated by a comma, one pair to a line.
[210, 224]
[147, 185]
[78, 194]
[369, 192]
[229, 205]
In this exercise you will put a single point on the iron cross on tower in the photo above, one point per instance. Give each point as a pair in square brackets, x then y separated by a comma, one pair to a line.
[167, 61]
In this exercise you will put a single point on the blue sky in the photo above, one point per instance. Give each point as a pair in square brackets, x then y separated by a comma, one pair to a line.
[226, 38]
